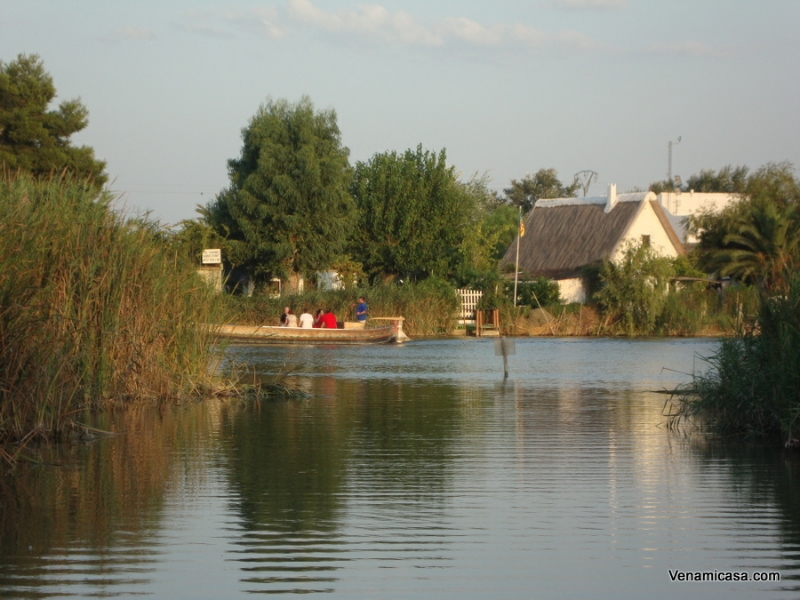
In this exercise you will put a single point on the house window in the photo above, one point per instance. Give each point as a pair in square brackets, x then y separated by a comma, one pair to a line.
[645, 241]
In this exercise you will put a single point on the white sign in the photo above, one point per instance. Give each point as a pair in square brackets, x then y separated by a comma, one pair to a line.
[212, 256]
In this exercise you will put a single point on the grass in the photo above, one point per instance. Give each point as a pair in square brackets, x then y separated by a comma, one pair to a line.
[94, 311]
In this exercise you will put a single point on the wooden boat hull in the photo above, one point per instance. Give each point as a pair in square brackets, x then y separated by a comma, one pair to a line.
[253, 334]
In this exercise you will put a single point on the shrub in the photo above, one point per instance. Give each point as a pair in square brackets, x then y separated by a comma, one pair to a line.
[540, 292]
[634, 289]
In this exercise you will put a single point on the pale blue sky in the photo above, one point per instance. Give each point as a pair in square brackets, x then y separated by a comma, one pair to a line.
[507, 87]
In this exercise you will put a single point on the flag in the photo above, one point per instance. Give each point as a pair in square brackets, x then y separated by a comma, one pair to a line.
[521, 228]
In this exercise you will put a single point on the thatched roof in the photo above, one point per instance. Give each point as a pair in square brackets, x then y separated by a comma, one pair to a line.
[562, 236]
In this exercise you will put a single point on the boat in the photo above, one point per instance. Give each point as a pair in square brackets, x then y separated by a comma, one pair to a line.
[270, 334]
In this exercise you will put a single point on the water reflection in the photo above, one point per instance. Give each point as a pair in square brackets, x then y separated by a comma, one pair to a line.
[87, 518]
[412, 471]
[301, 469]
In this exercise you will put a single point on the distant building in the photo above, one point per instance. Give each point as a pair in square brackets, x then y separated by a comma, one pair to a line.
[679, 206]
[565, 235]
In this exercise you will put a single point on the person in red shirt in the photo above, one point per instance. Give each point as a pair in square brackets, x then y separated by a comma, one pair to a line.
[328, 320]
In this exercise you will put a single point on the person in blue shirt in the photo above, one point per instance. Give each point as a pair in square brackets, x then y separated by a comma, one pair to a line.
[361, 310]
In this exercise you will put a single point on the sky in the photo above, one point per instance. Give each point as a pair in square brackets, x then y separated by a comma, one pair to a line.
[506, 87]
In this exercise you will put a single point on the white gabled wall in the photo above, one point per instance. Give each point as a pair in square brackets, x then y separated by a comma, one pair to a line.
[647, 223]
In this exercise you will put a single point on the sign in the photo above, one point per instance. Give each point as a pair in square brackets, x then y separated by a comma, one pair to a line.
[504, 347]
[212, 256]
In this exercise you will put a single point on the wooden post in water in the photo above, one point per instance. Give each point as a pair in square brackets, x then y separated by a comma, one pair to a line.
[503, 347]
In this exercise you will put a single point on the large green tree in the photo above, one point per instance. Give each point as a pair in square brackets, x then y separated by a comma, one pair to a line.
[413, 215]
[756, 238]
[544, 184]
[34, 138]
[288, 199]
[731, 180]
[763, 248]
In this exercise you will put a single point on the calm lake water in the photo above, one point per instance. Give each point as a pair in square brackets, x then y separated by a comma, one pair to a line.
[413, 471]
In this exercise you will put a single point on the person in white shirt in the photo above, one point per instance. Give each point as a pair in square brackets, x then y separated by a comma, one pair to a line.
[306, 320]
[291, 319]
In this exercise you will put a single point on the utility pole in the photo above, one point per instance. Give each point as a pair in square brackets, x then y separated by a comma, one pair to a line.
[669, 166]
[520, 233]
[584, 179]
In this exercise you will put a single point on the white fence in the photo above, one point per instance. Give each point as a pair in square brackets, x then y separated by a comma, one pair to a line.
[469, 300]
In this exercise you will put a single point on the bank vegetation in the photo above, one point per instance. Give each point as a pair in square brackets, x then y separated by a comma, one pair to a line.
[95, 310]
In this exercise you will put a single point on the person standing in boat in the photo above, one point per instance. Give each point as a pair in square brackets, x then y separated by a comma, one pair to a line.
[306, 320]
[328, 320]
[361, 311]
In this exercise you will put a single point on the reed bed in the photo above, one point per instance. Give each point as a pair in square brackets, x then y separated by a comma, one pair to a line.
[752, 385]
[94, 310]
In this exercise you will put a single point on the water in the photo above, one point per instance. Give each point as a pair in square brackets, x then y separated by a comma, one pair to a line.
[412, 471]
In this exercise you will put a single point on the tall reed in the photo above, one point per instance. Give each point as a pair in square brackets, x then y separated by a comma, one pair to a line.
[753, 384]
[93, 309]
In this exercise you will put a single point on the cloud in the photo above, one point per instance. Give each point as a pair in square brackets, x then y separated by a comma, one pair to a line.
[474, 33]
[134, 33]
[536, 39]
[262, 22]
[267, 20]
[369, 20]
[377, 22]
[591, 4]
[692, 49]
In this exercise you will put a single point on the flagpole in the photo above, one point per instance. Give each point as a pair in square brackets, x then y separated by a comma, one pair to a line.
[516, 264]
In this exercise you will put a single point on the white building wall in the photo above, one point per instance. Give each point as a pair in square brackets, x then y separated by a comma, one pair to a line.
[572, 290]
[690, 203]
[647, 223]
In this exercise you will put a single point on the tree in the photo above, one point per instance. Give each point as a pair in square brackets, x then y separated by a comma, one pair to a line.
[288, 200]
[767, 197]
[37, 140]
[544, 184]
[413, 214]
[764, 248]
[659, 187]
[193, 236]
[492, 226]
[727, 180]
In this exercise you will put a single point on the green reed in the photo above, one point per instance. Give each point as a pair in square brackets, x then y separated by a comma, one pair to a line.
[94, 311]
[752, 386]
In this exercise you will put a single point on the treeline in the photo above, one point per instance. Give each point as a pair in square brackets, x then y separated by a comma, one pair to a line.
[295, 206]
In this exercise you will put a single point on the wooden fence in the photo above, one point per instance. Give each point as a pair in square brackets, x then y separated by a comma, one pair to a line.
[469, 301]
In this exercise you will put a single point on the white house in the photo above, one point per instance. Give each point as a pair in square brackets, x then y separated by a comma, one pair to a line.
[564, 235]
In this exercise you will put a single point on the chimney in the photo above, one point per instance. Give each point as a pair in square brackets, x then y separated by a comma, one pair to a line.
[611, 201]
